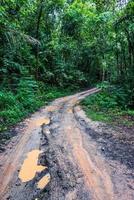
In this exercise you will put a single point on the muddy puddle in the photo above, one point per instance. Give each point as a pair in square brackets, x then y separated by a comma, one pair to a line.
[44, 181]
[41, 121]
[71, 146]
[30, 167]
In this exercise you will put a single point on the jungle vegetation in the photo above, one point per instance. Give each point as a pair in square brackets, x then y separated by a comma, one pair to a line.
[49, 48]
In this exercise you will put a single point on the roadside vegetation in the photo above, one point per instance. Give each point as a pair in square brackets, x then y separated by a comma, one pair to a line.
[49, 48]
[15, 107]
[112, 105]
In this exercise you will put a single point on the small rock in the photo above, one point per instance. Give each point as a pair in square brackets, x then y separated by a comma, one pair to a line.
[17, 184]
[103, 149]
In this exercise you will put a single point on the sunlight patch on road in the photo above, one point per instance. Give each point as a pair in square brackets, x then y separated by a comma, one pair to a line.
[30, 166]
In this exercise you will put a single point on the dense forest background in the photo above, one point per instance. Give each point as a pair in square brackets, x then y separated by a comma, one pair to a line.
[51, 47]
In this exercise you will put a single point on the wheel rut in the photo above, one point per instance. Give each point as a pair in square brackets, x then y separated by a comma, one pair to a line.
[70, 166]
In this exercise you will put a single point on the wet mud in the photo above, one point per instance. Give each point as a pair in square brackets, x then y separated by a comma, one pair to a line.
[76, 159]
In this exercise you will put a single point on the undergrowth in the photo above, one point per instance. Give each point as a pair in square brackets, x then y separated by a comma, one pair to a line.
[110, 106]
[27, 98]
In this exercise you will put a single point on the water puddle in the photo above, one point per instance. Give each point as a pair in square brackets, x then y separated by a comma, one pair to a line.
[43, 182]
[30, 166]
[41, 121]
[69, 110]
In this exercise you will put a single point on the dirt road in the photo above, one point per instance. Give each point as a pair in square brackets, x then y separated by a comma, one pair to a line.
[59, 154]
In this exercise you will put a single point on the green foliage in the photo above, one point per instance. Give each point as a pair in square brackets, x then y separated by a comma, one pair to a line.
[6, 99]
[110, 105]
[47, 44]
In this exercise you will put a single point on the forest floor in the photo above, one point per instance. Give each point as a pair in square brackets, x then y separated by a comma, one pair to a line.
[60, 154]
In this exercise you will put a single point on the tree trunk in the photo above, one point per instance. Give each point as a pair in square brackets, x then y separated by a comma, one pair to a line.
[37, 37]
